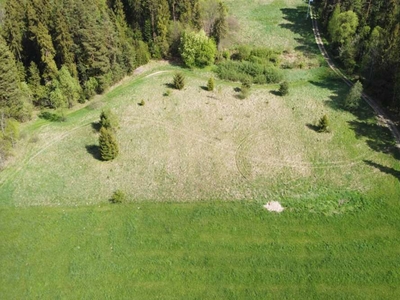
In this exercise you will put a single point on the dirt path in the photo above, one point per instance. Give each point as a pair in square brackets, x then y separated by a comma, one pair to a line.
[383, 117]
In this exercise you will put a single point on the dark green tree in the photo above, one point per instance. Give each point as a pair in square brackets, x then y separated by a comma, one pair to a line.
[108, 145]
[179, 81]
[12, 102]
[323, 124]
[284, 88]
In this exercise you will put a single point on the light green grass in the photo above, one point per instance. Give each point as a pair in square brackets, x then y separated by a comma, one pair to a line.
[197, 251]
[197, 168]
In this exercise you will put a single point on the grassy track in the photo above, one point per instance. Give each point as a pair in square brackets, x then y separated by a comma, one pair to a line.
[197, 166]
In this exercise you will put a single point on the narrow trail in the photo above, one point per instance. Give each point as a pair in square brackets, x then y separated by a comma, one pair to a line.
[383, 117]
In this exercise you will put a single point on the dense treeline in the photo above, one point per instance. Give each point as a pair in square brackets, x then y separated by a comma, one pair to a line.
[365, 36]
[55, 53]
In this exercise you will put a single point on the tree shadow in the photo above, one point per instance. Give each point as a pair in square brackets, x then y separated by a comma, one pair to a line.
[96, 126]
[169, 85]
[384, 169]
[313, 127]
[276, 93]
[379, 137]
[299, 24]
[204, 88]
[94, 150]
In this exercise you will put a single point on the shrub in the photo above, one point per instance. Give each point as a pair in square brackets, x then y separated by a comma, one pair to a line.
[167, 93]
[245, 89]
[118, 197]
[244, 52]
[179, 81]
[108, 145]
[323, 124]
[197, 50]
[210, 84]
[284, 88]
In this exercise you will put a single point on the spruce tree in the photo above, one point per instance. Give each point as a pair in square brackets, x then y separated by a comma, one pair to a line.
[323, 124]
[179, 81]
[108, 145]
[11, 99]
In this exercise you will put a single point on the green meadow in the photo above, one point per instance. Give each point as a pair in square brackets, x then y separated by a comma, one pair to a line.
[197, 167]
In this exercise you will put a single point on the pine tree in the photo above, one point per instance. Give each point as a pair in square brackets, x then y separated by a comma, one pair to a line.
[108, 145]
[179, 81]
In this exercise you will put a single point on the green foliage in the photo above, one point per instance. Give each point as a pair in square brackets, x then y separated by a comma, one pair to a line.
[107, 144]
[256, 73]
[197, 50]
[210, 84]
[69, 87]
[90, 87]
[343, 26]
[118, 197]
[284, 88]
[109, 120]
[352, 100]
[179, 81]
[323, 124]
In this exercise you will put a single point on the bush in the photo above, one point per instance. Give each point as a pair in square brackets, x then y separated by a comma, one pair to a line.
[179, 81]
[108, 145]
[323, 124]
[255, 72]
[118, 197]
[197, 50]
[210, 84]
[284, 88]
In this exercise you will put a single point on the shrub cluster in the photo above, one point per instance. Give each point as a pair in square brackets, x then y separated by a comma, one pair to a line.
[249, 71]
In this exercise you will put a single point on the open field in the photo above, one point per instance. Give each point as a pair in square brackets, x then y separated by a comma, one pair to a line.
[197, 167]
[197, 251]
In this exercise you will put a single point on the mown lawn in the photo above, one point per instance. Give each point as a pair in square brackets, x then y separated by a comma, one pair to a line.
[198, 251]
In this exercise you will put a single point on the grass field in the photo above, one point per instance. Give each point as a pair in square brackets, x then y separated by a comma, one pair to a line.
[197, 167]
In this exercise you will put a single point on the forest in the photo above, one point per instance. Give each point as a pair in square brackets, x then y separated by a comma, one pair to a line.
[364, 36]
[56, 53]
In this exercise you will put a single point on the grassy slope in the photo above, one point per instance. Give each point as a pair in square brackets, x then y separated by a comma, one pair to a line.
[187, 148]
